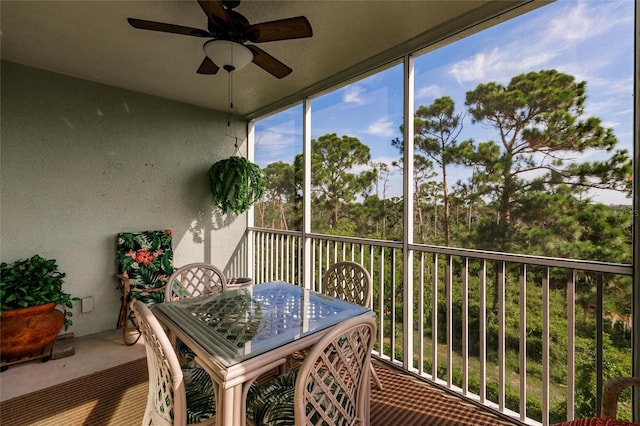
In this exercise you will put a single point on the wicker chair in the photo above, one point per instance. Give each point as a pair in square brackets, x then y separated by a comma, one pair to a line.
[331, 387]
[609, 407]
[194, 279]
[352, 283]
[175, 396]
[145, 261]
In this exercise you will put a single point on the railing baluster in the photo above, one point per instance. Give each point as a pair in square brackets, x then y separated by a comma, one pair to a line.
[434, 319]
[571, 343]
[483, 330]
[288, 257]
[501, 333]
[281, 257]
[327, 254]
[392, 331]
[271, 258]
[262, 257]
[545, 346]
[523, 342]
[382, 307]
[599, 339]
[278, 259]
[421, 317]
[465, 325]
[448, 271]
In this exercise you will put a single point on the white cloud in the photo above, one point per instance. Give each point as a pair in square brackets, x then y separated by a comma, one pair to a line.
[381, 127]
[353, 95]
[472, 69]
[581, 22]
[551, 42]
[277, 143]
[431, 91]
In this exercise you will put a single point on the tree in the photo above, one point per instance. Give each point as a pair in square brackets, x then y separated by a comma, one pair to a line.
[382, 179]
[333, 180]
[436, 131]
[423, 173]
[540, 124]
[422, 187]
[280, 191]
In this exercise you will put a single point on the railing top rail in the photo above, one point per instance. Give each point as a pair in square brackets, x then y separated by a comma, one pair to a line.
[276, 231]
[338, 238]
[575, 264]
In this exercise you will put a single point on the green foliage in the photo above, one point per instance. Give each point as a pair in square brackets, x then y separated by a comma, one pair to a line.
[282, 207]
[33, 282]
[332, 179]
[236, 183]
[537, 115]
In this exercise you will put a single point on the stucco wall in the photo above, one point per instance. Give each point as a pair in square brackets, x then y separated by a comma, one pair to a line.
[81, 162]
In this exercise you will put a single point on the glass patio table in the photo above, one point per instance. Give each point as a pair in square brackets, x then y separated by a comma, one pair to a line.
[239, 334]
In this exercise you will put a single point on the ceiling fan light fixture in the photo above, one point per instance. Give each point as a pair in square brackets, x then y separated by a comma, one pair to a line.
[228, 55]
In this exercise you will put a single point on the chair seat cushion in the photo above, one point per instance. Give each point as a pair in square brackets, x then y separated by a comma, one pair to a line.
[201, 397]
[271, 403]
[146, 260]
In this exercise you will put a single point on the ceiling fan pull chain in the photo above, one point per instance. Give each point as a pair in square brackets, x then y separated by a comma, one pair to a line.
[230, 99]
[231, 91]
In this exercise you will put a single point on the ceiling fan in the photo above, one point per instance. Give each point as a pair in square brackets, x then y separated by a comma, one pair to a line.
[229, 30]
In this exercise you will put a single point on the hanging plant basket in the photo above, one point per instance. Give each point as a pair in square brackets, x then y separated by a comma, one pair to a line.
[236, 183]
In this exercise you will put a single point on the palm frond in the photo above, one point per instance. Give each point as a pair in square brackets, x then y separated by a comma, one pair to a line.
[272, 403]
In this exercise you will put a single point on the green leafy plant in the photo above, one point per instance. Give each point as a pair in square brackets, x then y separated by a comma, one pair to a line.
[32, 282]
[236, 183]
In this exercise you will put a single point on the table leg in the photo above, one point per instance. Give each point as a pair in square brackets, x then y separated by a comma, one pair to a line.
[237, 406]
[227, 410]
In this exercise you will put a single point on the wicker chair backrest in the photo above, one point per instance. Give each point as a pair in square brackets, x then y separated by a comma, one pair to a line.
[194, 279]
[348, 281]
[331, 387]
[166, 402]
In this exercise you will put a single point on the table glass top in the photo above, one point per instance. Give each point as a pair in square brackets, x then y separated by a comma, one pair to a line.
[239, 324]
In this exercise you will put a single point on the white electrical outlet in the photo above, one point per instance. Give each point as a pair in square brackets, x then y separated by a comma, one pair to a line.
[87, 304]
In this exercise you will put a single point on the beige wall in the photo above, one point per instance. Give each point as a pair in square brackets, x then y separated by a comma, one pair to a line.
[81, 162]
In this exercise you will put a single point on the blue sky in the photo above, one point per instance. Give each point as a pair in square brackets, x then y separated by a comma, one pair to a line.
[591, 40]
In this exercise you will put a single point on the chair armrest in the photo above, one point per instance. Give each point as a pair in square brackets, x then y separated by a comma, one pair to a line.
[611, 392]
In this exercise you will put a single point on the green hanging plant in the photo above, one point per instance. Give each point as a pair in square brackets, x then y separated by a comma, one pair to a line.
[236, 183]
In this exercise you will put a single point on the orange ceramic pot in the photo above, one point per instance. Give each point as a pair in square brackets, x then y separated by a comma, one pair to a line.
[27, 331]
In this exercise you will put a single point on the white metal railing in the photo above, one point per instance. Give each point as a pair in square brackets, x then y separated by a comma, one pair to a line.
[440, 351]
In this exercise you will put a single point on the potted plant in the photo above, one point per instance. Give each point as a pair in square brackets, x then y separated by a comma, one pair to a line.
[30, 290]
[236, 183]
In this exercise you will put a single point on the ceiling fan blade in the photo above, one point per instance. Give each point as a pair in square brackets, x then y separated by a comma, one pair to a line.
[282, 29]
[215, 11]
[207, 67]
[269, 63]
[167, 28]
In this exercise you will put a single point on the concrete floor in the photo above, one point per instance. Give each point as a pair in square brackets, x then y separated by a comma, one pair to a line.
[93, 353]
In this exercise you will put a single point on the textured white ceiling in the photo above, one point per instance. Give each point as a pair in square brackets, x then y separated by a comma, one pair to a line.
[92, 40]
